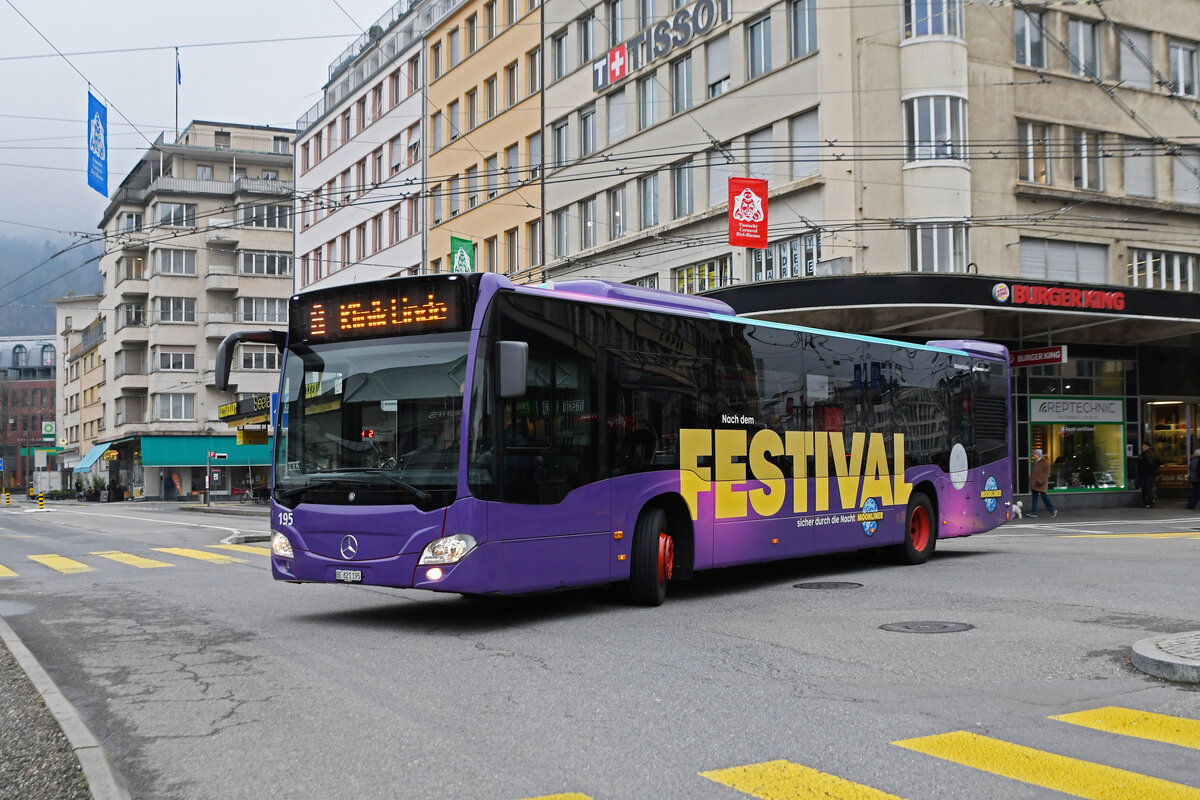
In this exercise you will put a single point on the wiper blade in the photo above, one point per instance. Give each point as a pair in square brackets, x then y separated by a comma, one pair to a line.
[421, 495]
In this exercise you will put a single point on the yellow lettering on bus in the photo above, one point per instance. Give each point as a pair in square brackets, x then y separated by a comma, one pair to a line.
[901, 488]
[847, 473]
[799, 448]
[693, 478]
[730, 504]
[821, 462]
[877, 478]
[767, 502]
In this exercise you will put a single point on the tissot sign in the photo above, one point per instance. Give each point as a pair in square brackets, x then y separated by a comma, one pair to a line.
[659, 39]
[1070, 297]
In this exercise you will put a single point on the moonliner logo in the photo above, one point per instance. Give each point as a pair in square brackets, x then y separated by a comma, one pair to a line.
[1000, 292]
[747, 207]
[96, 137]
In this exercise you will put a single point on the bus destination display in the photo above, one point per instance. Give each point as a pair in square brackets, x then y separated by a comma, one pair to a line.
[381, 309]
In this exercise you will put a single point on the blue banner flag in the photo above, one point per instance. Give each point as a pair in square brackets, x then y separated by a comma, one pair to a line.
[97, 145]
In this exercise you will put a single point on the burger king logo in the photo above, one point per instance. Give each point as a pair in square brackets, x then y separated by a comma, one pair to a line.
[1000, 292]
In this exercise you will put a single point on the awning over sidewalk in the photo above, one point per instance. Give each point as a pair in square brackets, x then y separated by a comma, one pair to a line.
[192, 451]
[93, 455]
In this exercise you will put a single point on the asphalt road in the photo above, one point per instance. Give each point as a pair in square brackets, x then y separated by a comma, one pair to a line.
[206, 679]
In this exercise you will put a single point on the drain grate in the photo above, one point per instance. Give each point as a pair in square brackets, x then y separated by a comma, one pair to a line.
[827, 585]
[926, 627]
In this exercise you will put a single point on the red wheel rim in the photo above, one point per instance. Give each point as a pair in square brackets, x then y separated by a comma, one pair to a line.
[918, 529]
[666, 556]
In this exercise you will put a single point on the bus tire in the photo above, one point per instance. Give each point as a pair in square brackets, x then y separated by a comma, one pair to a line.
[652, 558]
[920, 531]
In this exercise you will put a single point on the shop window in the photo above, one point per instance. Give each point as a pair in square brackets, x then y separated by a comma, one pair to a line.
[1084, 438]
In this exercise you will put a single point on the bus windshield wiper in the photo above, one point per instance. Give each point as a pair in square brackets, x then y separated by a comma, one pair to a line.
[421, 495]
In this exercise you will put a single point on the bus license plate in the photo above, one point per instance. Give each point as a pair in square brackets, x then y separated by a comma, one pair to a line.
[348, 575]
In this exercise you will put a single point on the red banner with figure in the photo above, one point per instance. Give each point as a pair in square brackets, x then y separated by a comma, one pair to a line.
[747, 212]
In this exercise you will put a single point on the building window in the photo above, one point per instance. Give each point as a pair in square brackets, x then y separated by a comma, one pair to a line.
[1152, 269]
[804, 27]
[435, 60]
[648, 198]
[262, 309]
[176, 309]
[489, 20]
[616, 23]
[758, 47]
[177, 215]
[452, 191]
[561, 226]
[558, 52]
[1183, 68]
[20, 356]
[265, 216]
[562, 143]
[936, 128]
[717, 68]
[796, 257]
[1086, 169]
[452, 120]
[1185, 168]
[1135, 61]
[1064, 262]
[1083, 49]
[1034, 158]
[472, 173]
[1029, 38]
[1138, 161]
[178, 359]
[534, 67]
[614, 105]
[681, 84]
[720, 170]
[647, 115]
[933, 18]
[174, 406]
[262, 357]
[533, 236]
[435, 131]
[48, 352]
[681, 189]
[472, 26]
[512, 252]
[473, 108]
[645, 13]
[938, 247]
[512, 166]
[511, 93]
[534, 145]
[489, 87]
[805, 137]
[760, 154]
[616, 212]
[175, 262]
[492, 166]
[587, 223]
[587, 131]
[698, 278]
[587, 31]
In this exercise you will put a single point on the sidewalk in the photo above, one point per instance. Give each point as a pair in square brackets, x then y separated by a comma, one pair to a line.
[41, 760]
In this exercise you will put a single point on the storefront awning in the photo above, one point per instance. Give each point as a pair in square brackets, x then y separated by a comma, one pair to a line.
[93, 455]
[192, 451]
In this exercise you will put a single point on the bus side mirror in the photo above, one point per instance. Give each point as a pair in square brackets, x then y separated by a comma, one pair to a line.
[513, 360]
[227, 346]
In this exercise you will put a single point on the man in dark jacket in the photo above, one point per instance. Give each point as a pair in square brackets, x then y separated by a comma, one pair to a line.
[1039, 483]
[1194, 478]
[1147, 473]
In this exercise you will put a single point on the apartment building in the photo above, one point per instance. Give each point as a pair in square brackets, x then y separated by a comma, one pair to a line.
[360, 158]
[27, 372]
[198, 244]
[936, 169]
[80, 328]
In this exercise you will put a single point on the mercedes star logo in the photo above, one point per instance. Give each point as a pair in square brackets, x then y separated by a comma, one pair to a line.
[349, 547]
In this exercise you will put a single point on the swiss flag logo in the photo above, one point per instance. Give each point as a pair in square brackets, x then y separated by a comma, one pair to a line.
[618, 64]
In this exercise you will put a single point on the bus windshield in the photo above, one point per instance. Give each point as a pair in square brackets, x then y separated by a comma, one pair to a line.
[372, 422]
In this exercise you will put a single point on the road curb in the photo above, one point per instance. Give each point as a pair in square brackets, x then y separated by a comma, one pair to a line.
[1171, 657]
[103, 780]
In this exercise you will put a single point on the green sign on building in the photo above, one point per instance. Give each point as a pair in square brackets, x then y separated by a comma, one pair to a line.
[462, 255]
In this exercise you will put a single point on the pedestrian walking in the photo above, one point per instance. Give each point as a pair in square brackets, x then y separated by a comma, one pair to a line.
[1147, 474]
[1039, 483]
[1194, 478]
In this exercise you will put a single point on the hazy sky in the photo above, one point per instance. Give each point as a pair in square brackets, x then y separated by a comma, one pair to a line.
[43, 100]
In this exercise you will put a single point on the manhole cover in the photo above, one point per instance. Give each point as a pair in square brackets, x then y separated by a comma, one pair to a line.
[926, 627]
[827, 585]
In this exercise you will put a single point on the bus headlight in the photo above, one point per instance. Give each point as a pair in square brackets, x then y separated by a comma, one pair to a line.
[280, 546]
[448, 550]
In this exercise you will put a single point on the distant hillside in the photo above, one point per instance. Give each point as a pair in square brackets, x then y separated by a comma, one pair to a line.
[26, 282]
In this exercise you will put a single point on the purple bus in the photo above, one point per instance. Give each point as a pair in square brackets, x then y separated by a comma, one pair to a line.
[463, 434]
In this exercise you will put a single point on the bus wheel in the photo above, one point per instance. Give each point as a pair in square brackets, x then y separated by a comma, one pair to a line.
[920, 535]
[652, 560]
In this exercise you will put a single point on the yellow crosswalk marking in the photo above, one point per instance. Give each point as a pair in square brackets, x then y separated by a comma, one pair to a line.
[1141, 724]
[1068, 775]
[1174, 535]
[132, 560]
[783, 780]
[244, 548]
[5, 572]
[567, 796]
[61, 564]
[201, 555]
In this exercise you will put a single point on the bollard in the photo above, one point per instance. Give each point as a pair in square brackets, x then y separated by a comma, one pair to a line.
[7, 499]
[41, 501]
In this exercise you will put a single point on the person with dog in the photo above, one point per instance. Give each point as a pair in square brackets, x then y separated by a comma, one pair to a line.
[1039, 483]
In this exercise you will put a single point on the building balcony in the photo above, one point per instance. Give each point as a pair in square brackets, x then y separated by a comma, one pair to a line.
[221, 279]
[222, 232]
[219, 325]
[133, 335]
[133, 382]
[133, 287]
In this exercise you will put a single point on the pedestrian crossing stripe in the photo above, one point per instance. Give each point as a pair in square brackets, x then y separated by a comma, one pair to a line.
[132, 560]
[783, 780]
[200, 555]
[567, 796]
[1168, 535]
[67, 566]
[1140, 724]
[244, 548]
[5, 572]
[1051, 771]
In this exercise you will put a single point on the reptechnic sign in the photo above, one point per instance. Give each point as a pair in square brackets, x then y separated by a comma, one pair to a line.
[1023, 294]
[659, 39]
